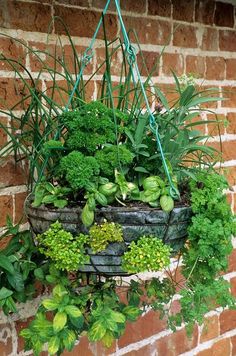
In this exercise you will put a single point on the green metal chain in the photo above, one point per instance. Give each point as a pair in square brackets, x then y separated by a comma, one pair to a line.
[132, 60]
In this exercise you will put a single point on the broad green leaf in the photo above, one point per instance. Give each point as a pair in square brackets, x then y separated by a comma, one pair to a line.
[59, 291]
[77, 322]
[73, 311]
[48, 199]
[87, 216]
[69, 339]
[5, 293]
[53, 345]
[37, 347]
[6, 264]
[59, 321]
[60, 203]
[131, 312]
[117, 317]
[97, 331]
[186, 95]
[141, 170]
[50, 304]
[39, 274]
[16, 281]
[163, 99]
[108, 339]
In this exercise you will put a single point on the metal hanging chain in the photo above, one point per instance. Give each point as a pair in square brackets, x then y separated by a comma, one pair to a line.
[132, 60]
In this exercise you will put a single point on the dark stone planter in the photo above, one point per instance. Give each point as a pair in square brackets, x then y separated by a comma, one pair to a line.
[136, 222]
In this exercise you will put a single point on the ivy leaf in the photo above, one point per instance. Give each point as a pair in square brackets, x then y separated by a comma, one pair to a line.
[97, 331]
[73, 311]
[59, 321]
[16, 281]
[50, 304]
[69, 339]
[53, 345]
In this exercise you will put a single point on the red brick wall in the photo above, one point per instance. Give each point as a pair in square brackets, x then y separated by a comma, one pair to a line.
[201, 38]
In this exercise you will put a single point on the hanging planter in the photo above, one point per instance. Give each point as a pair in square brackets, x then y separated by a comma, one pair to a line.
[135, 222]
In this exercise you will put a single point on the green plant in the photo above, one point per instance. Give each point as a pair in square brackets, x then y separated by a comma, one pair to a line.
[19, 259]
[66, 251]
[101, 235]
[147, 254]
[47, 193]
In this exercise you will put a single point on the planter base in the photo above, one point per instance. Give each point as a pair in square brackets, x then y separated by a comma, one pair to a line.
[136, 222]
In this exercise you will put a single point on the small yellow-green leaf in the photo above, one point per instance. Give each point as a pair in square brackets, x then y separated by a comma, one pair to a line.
[97, 331]
[117, 317]
[53, 345]
[73, 311]
[69, 339]
[108, 339]
[59, 321]
[50, 304]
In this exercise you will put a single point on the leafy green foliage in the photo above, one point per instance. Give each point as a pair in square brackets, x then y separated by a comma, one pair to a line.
[47, 193]
[78, 170]
[18, 260]
[111, 157]
[147, 254]
[89, 127]
[101, 235]
[66, 251]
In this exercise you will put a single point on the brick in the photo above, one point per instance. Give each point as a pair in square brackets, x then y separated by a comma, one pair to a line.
[224, 15]
[210, 328]
[210, 93]
[170, 93]
[233, 286]
[115, 61]
[230, 174]
[207, 352]
[6, 341]
[27, 16]
[12, 173]
[98, 349]
[210, 41]
[195, 65]
[222, 347]
[3, 135]
[44, 56]
[231, 118]
[147, 325]
[20, 325]
[227, 40]
[229, 93]
[215, 129]
[6, 208]
[215, 68]
[148, 30]
[70, 59]
[185, 36]
[151, 60]
[19, 207]
[159, 7]
[61, 94]
[227, 321]
[228, 149]
[131, 5]
[233, 343]
[177, 343]
[77, 21]
[230, 68]
[12, 50]
[232, 261]
[145, 350]
[82, 3]
[183, 10]
[204, 11]
[12, 91]
[174, 62]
